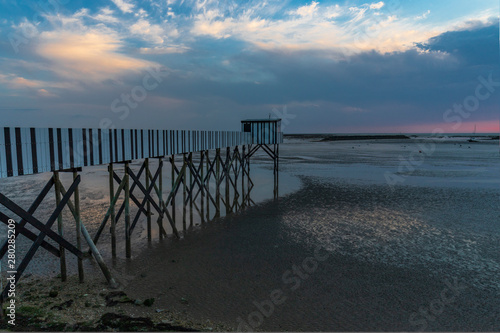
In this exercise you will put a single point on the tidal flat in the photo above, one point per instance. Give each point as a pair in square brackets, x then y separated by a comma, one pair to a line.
[372, 235]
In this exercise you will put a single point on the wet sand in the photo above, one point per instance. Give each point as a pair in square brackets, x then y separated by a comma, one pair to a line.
[421, 255]
[224, 268]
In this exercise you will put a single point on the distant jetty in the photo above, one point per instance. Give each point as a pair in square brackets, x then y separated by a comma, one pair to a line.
[330, 137]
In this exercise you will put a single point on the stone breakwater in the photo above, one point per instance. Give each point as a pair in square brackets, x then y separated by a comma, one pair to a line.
[330, 137]
[364, 137]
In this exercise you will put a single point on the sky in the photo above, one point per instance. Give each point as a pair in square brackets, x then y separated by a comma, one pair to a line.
[322, 66]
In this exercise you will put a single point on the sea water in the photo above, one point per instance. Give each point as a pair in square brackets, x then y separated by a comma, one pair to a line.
[424, 201]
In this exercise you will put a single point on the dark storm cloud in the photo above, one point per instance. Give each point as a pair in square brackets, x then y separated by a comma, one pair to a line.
[475, 47]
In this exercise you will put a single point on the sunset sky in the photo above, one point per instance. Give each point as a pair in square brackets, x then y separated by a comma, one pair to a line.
[323, 66]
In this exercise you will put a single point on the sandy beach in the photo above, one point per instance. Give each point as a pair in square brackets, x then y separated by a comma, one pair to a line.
[340, 250]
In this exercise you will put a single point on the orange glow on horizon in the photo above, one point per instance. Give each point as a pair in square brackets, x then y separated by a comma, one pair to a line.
[486, 126]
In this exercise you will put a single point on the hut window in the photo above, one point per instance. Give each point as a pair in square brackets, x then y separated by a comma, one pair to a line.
[247, 127]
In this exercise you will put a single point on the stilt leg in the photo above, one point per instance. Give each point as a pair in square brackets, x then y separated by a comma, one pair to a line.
[172, 202]
[243, 176]
[236, 174]
[148, 204]
[160, 198]
[112, 208]
[277, 170]
[217, 181]
[184, 162]
[128, 246]
[191, 190]
[228, 174]
[208, 186]
[78, 228]
[202, 194]
[60, 228]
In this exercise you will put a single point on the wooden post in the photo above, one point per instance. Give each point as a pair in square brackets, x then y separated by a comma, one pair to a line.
[107, 274]
[243, 176]
[276, 175]
[248, 164]
[148, 204]
[113, 202]
[208, 186]
[217, 181]
[90, 242]
[236, 174]
[128, 246]
[78, 228]
[249, 181]
[60, 229]
[160, 198]
[202, 201]
[191, 190]
[277, 169]
[228, 174]
[172, 202]
[112, 210]
[184, 161]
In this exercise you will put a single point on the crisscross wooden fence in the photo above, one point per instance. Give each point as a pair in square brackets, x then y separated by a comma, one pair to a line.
[25, 151]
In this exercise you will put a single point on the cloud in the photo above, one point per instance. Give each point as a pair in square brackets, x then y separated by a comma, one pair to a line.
[19, 82]
[164, 50]
[86, 56]
[465, 44]
[357, 13]
[332, 12]
[377, 5]
[151, 32]
[124, 5]
[105, 15]
[212, 23]
[45, 93]
[307, 10]
[314, 26]
[423, 16]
